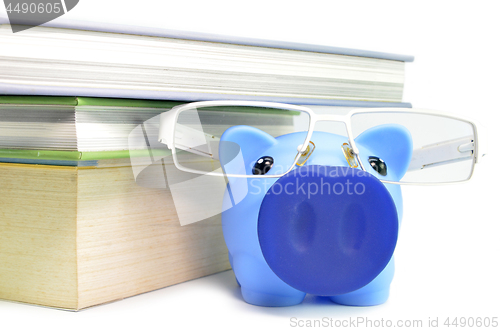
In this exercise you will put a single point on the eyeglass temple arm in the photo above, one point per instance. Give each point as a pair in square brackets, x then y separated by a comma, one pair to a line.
[186, 138]
[442, 153]
[196, 141]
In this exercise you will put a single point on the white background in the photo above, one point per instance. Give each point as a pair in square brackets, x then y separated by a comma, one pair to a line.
[447, 259]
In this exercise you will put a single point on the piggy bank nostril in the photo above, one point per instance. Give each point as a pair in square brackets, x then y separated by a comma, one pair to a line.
[302, 226]
[352, 228]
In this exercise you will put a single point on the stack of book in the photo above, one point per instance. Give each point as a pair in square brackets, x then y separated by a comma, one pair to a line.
[76, 230]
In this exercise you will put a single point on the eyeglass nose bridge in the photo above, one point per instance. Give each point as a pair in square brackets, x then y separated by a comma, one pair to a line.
[331, 117]
[346, 120]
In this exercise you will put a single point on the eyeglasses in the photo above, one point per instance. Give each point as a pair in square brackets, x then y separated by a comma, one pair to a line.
[262, 139]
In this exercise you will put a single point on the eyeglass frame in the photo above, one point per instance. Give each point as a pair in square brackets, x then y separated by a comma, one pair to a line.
[168, 120]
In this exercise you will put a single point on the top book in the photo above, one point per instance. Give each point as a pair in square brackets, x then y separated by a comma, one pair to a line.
[127, 62]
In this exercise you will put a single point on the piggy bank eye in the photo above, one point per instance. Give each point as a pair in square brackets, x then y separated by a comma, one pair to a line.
[378, 165]
[263, 165]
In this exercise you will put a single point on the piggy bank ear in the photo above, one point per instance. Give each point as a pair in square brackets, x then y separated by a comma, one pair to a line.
[243, 144]
[391, 143]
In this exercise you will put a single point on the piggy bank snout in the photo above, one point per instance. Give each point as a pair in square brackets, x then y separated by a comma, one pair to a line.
[327, 230]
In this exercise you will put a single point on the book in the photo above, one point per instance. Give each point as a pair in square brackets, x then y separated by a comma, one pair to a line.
[124, 62]
[73, 124]
[75, 237]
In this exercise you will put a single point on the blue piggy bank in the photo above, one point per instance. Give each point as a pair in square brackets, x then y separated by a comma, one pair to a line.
[324, 228]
